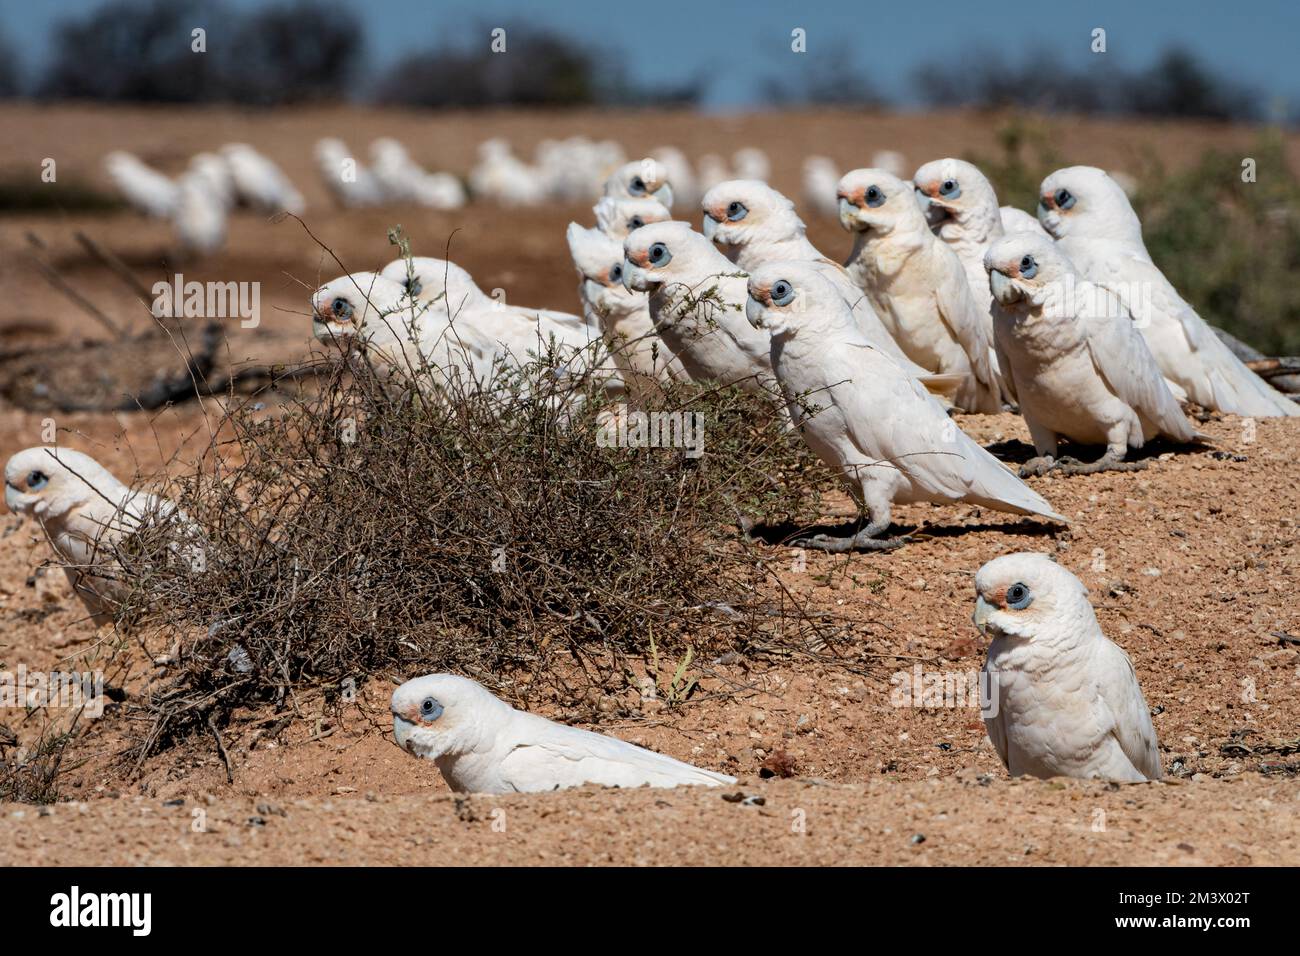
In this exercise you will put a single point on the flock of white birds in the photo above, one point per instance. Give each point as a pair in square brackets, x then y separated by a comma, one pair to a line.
[198, 202]
[947, 302]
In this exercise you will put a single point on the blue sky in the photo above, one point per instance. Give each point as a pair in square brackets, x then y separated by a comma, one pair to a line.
[736, 44]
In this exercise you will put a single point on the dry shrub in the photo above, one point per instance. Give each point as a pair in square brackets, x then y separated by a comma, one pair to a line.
[31, 774]
[363, 527]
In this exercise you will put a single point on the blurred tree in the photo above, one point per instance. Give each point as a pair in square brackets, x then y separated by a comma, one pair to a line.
[1176, 85]
[128, 50]
[536, 69]
[10, 74]
[141, 50]
[826, 79]
[297, 51]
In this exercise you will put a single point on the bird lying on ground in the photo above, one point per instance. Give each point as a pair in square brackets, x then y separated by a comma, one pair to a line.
[481, 744]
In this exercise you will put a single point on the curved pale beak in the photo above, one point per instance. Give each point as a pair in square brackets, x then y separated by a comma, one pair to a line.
[634, 278]
[754, 312]
[983, 610]
[710, 227]
[1004, 290]
[664, 194]
[402, 729]
[850, 216]
[935, 212]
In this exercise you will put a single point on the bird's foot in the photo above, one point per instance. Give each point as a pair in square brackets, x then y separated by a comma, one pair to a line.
[824, 542]
[1037, 467]
[862, 541]
[1072, 466]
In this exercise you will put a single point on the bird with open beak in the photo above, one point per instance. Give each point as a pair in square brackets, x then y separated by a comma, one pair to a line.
[962, 209]
[753, 225]
[917, 285]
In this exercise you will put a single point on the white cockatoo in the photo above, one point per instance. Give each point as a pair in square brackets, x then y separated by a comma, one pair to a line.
[697, 303]
[617, 217]
[142, 186]
[750, 162]
[376, 314]
[394, 170]
[514, 335]
[213, 170]
[402, 179]
[259, 182]
[642, 357]
[1017, 220]
[889, 439]
[918, 286]
[890, 161]
[1090, 217]
[199, 218]
[680, 174]
[1060, 699]
[348, 179]
[574, 169]
[962, 209]
[439, 191]
[502, 177]
[753, 224]
[483, 745]
[711, 170]
[821, 177]
[641, 179]
[1073, 360]
[451, 290]
[86, 514]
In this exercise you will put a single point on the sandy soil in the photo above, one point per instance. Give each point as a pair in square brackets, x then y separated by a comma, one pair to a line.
[1193, 565]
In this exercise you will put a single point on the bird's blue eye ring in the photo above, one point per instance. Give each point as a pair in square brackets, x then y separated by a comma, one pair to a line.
[949, 189]
[1028, 267]
[37, 480]
[430, 709]
[638, 185]
[1064, 199]
[341, 307]
[1018, 597]
[616, 272]
[736, 211]
[636, 222]
[659, 254]
[414, 286]
[874, 196]
[782, 292]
